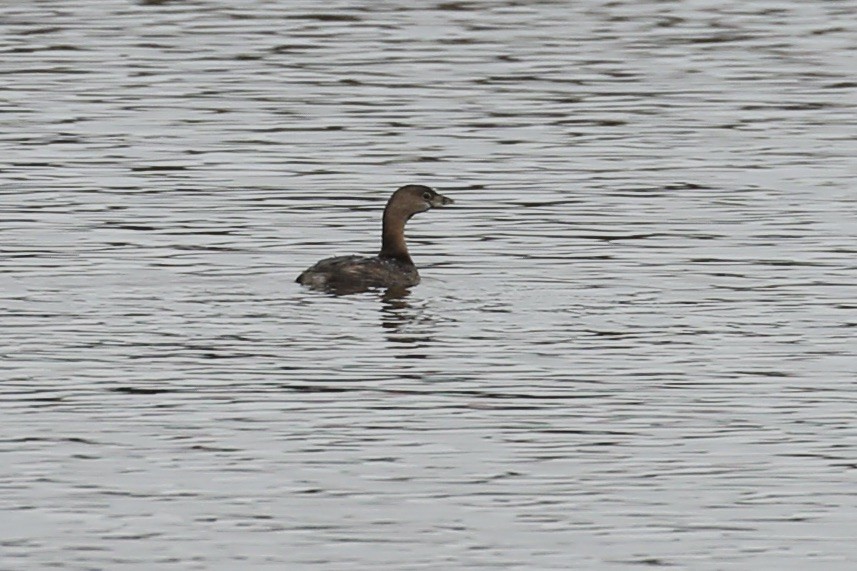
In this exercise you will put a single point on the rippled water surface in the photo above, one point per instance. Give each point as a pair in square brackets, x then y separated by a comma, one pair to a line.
[634, 343]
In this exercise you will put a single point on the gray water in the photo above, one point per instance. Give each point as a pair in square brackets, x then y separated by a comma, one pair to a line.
[633, 346]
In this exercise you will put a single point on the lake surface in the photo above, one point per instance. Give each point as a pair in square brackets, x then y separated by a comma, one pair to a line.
[634, 343]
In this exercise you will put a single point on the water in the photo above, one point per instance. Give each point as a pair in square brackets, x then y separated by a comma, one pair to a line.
[633, 346]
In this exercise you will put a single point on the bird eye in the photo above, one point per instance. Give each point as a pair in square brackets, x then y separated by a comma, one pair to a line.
[427, 195]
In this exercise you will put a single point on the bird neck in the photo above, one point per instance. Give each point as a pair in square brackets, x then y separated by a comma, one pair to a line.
[393, 236]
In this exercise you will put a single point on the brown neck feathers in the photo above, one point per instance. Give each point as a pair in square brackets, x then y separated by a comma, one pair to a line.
[393, 235]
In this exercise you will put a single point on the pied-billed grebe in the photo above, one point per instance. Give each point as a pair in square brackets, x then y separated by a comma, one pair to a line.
[392, 267]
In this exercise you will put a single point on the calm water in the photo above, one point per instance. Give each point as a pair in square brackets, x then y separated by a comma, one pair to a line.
[633, 346]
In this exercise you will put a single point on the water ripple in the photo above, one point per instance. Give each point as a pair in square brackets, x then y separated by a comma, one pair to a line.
[635, 326]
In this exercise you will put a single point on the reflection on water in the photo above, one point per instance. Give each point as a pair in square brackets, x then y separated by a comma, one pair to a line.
[407, 325]
[633, 343]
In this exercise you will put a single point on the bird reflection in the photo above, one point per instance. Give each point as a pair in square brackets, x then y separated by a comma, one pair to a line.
[406, 324]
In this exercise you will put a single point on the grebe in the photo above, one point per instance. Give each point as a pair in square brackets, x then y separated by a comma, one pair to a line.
[392, 267]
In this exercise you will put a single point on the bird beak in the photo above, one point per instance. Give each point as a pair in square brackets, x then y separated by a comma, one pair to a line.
[441, 200]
